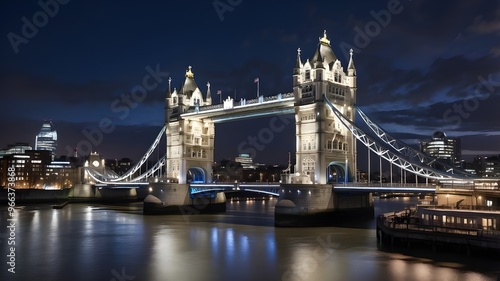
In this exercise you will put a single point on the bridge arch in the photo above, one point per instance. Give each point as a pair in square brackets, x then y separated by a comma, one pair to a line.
[336, 172]
[196, 175]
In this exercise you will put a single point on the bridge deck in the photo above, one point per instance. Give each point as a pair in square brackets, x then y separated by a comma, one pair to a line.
[352, 187]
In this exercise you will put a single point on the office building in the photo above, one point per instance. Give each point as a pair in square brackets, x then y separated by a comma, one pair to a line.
[487, 166]
[47, 139]
[446, 149]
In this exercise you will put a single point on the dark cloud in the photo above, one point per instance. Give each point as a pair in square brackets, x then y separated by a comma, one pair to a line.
[483, 26]
[439, 116]
[37, 88]
[425, 62]
[446, 78]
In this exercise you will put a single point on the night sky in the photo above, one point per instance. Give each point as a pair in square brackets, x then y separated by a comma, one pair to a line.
[433, 65]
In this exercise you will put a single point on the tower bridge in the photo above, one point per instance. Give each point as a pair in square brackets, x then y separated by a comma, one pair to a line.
[323, 102]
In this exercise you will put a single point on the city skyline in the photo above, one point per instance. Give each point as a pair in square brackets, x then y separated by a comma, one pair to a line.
[428, 67]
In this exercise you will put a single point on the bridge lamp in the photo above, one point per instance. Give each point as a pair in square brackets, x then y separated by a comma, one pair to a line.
[309, 192]
[150, 189]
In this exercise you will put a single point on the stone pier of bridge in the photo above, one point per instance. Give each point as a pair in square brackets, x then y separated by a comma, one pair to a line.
[175, 198]
[320, 205]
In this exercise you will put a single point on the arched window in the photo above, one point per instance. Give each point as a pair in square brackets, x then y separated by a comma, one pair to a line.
[308, 165]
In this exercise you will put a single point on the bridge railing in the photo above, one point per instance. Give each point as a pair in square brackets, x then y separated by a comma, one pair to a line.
[489, 187]
[395, 185]
[233, 184]
[204, 108]
[237, 103]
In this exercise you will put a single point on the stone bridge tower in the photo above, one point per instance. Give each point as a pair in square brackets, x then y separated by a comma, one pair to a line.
[326, 151]
[190, 143]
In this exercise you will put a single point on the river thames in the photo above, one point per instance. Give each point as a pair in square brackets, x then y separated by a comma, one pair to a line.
[116, 243]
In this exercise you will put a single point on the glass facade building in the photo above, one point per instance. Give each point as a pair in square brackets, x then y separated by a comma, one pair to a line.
[447, 150]
[47, 138]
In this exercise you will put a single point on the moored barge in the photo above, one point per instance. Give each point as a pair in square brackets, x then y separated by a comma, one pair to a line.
[464, 229]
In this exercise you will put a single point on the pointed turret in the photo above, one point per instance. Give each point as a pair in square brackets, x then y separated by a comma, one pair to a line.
[324, 52]
[208, 100]
[319, 62]
[351, 69]
[189, 85]
[169, 93]
[298, 64]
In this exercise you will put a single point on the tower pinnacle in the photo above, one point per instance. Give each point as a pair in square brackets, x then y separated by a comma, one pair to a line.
[298, 64]
[169, 85]
[209, 95]
[351, 69]
[324, 40]
[189, 73]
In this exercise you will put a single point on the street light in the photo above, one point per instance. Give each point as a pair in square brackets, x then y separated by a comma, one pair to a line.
[447, 195]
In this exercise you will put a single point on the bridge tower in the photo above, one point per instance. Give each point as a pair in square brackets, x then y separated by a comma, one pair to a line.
[326, 150]
[190, 142]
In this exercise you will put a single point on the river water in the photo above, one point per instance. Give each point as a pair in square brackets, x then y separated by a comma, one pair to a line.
[98, 242]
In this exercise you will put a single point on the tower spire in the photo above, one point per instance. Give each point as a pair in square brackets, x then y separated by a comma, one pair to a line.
[189, 73]
[298, 64]
[324, 40]
[351, 69]
[169, 92]
[319, 59]
[209, 95]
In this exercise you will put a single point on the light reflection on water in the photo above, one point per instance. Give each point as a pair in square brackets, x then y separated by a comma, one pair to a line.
[82, 242]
